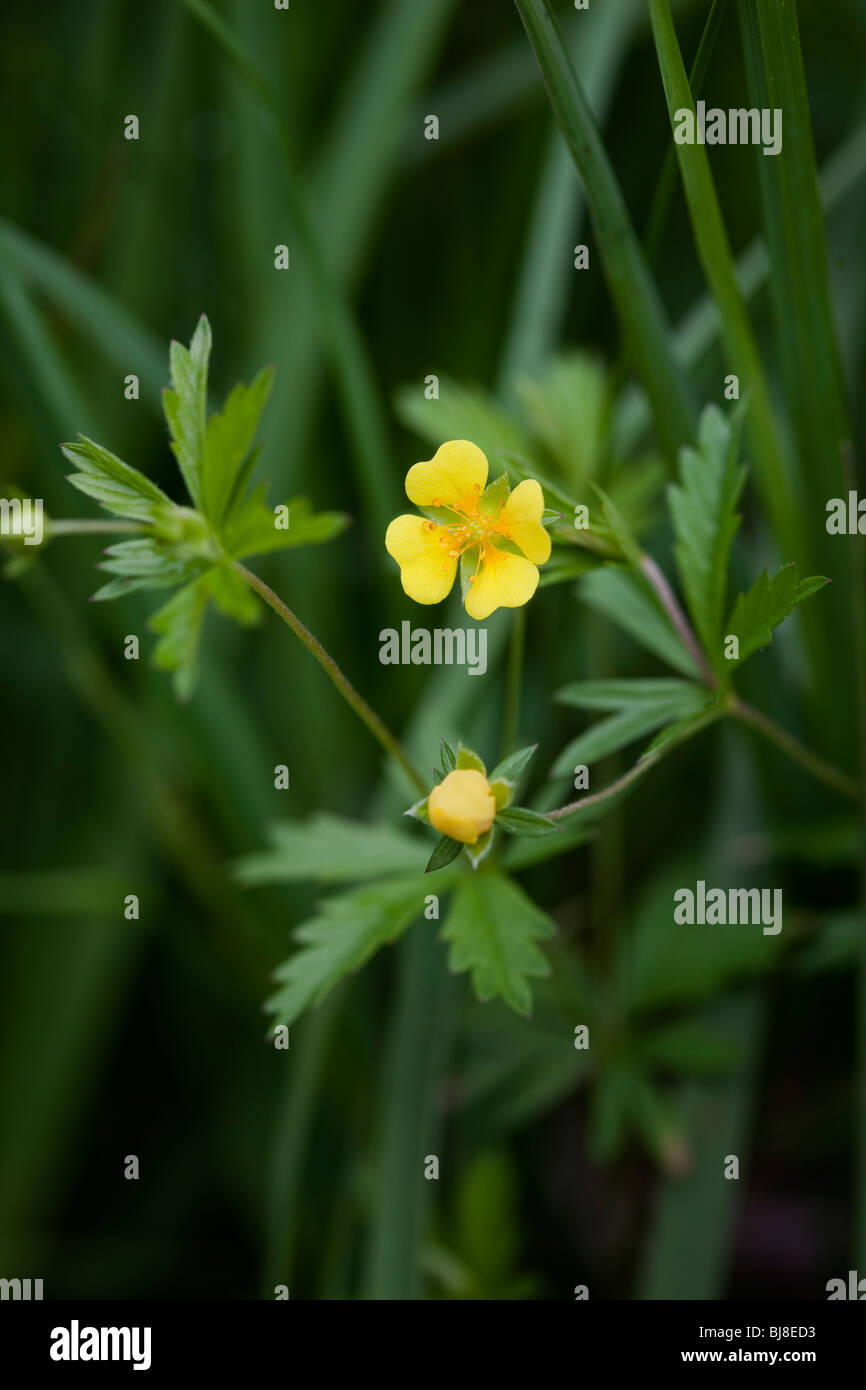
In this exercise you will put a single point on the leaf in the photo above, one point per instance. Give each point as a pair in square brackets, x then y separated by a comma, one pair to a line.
[445, 851]
[561, 568]
[632, 721]
[767, 604]
[460, 413]
[619, 528]
[567, 405]
[627, 694]
[703, 508]
[113, 484]
[341, 938]
[691, 1047]
[228, 439]
[449, 758]
[511, 767]
[233, 596]
[145, 563]
[185, 406]
[492, 927]
[329, 849]
[627, 599]
[514, 1070]
[251, 529]
[519, 820]
[179, 624]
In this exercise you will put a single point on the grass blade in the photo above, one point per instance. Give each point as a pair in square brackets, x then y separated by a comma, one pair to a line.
[634, 292]
[715, 255]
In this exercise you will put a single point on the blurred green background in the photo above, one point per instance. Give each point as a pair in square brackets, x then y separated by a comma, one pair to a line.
[456, 257]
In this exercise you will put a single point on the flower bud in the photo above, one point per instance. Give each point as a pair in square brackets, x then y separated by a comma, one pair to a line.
[462, 805]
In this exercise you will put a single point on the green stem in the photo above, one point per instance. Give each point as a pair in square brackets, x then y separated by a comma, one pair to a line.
[86, 528]
[511, 715]
[368, 716]
[667, 599]
[825, 772]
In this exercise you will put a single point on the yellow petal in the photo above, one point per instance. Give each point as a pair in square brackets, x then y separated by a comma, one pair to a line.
[421, 550]
[520, 521]
[504, 581]
[462, 805]
[454, 477]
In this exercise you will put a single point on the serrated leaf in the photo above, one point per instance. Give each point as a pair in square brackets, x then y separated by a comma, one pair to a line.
[341, 938]
[519, 820]
[330, 849]
[703, 508]
[492, 928]
[252, 529]
[228, 439]
[185, 406]
[631, 722]
[767, 604]
[179, 624]
[144, 563]
[445, 851]
[627, 599]
[511, 767]
[116, 486]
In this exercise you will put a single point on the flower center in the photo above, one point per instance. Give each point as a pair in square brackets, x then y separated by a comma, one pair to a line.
[471, 527]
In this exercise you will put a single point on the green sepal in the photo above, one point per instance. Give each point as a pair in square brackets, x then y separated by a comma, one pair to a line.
[519, 820]
[502, 793]
[419, 811]
[511, 767]
[481, 848]
[449, 758]
[446, 850]
[443, 516]
[495, 495]
[466, 759]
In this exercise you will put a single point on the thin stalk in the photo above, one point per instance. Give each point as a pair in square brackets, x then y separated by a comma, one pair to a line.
[74, 527]
[513, 681]
[368, 716]
[824, 771]
[667, 598]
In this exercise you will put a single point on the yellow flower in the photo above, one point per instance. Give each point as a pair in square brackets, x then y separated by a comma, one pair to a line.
[462, 805]
[471, 525]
